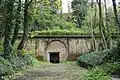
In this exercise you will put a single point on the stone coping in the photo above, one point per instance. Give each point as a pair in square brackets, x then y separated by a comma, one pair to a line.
[68, 36]
[60, 36]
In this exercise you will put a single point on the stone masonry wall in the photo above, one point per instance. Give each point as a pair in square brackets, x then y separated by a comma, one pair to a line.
[69, 48]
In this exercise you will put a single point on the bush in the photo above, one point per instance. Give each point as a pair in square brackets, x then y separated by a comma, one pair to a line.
[112, 55]
[98, 58]
[104, 71]
[15, 63]
[90, 59]
[97, 73]
[6, 68]
[30, 60]
[112, 68]
[104, 63]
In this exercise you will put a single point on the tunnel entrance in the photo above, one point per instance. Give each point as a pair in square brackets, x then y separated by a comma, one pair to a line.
[54, 57]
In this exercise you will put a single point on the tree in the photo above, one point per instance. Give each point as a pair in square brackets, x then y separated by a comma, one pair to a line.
[107, 25]
[45, 14]
[1, 18]
[79, 10]
[93, 22]
[101, 25]
[8, 19]
[25, 25]
[116, 14]
[106, 16]
[17, 22]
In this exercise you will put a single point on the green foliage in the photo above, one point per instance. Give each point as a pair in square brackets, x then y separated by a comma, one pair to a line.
[15, 63]
[8, 23]
[79, 10]
[111, 68]
[91, 18]
[30, 60]
[5, 67]
[51, 21]
[97, 73]
[104, 71]
[1, 46]
[112, 55]
[44, 14]
[104, 63]
[99, 57]
[60, 32]
[91, 59]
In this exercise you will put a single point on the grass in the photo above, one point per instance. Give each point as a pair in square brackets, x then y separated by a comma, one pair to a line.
[61, 32]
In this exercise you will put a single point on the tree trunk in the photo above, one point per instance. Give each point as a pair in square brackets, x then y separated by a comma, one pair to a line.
[8, 17]
[17, 23]
[1, 19]
[106, 15]
[25, 24]
[115, 13]
[94, 24]
[107, 26]
[101, 25]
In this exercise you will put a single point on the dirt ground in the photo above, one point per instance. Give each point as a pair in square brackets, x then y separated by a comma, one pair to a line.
[49, 71]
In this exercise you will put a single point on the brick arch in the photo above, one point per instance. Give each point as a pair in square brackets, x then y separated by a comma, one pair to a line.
[49, 42]
[57, 46]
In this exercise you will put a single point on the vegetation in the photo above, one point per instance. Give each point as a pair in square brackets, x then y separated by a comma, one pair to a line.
[99, 57]
[15, 63]
[79, 10]
[12, 60]
[44, 17]
[97, 73]
[101, 64]
[59, 32]
[104, 60]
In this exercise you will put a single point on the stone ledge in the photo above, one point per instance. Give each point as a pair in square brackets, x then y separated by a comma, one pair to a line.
[69, 36]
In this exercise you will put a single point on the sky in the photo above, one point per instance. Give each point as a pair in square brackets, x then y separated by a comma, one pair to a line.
[65, 2]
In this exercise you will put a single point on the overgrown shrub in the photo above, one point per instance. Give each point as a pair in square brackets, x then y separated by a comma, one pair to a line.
[15, 63]
[103, 63]
[97, 73]
[99, 57]
[30, 60]
[6, 68]
[91, 59]
[111, 68]
[112, 55]
[104, 71]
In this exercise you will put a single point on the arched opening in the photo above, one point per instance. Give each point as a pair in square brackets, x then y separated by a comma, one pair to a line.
[56, 50]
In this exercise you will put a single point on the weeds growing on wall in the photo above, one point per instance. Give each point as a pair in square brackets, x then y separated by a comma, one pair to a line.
[60, 32]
